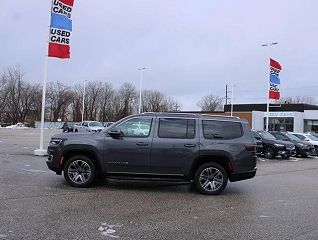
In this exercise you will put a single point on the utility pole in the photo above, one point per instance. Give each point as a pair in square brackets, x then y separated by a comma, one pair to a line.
[226, 94]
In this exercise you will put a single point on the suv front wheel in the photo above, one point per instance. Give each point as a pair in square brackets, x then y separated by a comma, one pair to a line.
[210, 178]
[79, 171]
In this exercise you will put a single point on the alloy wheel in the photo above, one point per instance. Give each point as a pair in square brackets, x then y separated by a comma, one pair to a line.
[211, 179]
[79, 171]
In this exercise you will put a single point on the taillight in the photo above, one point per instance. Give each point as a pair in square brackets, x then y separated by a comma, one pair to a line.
[251, 148]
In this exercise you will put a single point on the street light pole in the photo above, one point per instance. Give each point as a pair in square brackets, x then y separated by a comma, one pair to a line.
[267, 105]
[83, 101]
[141, 71]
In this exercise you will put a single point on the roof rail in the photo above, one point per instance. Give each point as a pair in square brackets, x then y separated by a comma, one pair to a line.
[175, 113]
[209, 115]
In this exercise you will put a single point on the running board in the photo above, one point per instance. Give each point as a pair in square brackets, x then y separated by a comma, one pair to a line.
[148, 178]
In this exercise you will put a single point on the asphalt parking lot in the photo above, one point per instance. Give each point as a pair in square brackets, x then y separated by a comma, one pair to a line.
[279, 203]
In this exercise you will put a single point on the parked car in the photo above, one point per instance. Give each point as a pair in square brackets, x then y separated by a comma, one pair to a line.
[303, 148]
[259, 143]
[308, 138]
[89, 126]
[273, 147]
[108, 124]
[208, 150]
[68, 126]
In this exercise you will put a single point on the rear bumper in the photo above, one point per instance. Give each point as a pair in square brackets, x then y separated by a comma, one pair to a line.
[242, 175]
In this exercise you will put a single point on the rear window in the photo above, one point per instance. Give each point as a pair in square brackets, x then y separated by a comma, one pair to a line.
[176, 128]
[221, 129]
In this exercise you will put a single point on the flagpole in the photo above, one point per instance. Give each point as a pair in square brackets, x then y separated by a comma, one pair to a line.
[268, 84]
[140, 88]
[41, 151]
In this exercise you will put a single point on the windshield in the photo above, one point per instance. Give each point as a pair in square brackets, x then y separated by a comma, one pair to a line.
[267, 135]
[96, 124]
[292, 137]
[311, 137]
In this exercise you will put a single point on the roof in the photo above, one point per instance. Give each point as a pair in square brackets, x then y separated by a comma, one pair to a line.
[189, 115]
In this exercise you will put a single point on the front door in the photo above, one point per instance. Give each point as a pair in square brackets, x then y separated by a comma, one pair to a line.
[131, 152]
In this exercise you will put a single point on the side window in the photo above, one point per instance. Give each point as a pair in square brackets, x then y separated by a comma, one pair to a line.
[176, 128]
[221, 129]
[85, 124]
[136, 127]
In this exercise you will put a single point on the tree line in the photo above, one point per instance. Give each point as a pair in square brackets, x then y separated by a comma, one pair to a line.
[21, 101]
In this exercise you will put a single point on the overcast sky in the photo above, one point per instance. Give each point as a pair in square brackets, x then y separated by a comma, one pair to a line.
[190, 48]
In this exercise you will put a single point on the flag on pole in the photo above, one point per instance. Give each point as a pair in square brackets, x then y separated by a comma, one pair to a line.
[60, 28]
[274, 81]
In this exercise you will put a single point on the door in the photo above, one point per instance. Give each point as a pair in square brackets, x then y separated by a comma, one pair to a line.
[131, 152]
[175, 145]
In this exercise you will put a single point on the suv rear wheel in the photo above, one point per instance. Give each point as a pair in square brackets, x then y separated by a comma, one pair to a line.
[80, 171]
[210, 178]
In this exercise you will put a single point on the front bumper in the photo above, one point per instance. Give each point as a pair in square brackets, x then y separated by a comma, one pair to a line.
[52, 161]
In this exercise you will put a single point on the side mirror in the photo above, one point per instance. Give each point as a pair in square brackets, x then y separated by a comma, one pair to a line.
[115, 133]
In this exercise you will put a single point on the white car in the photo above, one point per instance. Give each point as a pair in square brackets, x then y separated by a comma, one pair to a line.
[308, 138]
[88, 126]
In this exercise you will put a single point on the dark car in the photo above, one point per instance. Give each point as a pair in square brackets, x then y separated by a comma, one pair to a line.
[273, 147]
[68, 126]
[259, 143]
[208, 150]
[303, 148]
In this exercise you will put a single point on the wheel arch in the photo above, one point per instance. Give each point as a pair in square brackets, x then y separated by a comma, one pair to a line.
[222, 160]
[84, 152]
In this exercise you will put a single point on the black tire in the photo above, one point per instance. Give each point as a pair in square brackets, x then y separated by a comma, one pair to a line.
[269, 152]
[286, 156]
[80, 171]
[210, 178]
[76, 130]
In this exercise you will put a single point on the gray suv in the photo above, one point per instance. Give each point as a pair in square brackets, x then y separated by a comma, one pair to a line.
[206, 150]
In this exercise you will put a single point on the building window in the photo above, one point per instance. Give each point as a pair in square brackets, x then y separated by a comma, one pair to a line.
[280, 124]
[310, 125]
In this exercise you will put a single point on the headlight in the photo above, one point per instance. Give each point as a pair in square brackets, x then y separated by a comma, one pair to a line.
[301, 145]
[55, 141]
[279, 145]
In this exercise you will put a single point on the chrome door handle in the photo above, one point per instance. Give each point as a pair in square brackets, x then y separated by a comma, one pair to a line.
[189, 145]
[141, 144]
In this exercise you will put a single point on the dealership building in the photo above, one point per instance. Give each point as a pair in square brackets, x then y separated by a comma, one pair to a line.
[282, 117]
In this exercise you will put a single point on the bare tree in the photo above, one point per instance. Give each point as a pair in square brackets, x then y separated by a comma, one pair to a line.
[106, 103]
[93, 96]
[126, 98]
[76, 103]
[155, 101]
[210, 103]
[59, 98]
[3, 95]
[298, 99]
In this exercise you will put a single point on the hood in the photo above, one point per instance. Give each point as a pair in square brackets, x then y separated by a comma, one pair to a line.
[285, 143]
[71, 135]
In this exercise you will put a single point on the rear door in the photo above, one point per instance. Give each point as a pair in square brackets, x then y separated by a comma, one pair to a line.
[175, 145]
